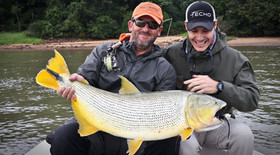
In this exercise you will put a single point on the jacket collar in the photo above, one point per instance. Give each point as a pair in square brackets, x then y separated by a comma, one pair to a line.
[129, 48]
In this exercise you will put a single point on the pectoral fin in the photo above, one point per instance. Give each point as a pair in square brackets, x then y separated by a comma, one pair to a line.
[127, 87]
[186, 133]
[133, 146]
[85, 128]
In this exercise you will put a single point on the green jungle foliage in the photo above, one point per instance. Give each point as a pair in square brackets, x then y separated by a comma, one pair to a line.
[101, 19]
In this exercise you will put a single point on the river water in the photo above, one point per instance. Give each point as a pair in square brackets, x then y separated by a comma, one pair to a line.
[28, 112]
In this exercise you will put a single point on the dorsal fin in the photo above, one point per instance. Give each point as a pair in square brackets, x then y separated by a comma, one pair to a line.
[127, 87]
[58, 64]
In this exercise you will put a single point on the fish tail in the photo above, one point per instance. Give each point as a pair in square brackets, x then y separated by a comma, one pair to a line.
[44, 78]
[49, 77]
[58, 64]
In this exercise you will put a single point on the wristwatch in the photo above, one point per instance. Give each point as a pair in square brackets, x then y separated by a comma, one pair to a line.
[220, 87]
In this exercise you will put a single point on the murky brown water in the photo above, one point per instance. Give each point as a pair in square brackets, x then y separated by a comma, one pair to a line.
[28, 112]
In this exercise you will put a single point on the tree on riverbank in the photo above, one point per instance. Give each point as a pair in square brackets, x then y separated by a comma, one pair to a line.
[100, 19]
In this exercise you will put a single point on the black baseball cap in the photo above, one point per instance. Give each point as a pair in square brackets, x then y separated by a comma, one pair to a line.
[200, 14]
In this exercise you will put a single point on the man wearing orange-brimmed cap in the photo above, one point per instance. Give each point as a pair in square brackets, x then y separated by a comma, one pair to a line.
[139, 60]
[145, 26]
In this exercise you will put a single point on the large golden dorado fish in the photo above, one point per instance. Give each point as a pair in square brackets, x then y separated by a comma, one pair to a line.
[131, 114]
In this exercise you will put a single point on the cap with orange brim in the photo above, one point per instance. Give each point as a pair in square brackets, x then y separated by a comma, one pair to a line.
[148, 9]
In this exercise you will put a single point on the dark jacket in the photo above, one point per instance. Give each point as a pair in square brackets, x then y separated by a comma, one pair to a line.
[148, 72]
[228, 65]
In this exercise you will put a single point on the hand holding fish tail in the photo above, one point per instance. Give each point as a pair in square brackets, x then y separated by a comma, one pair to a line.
[69, 93]
[202, 84]
[76, 77]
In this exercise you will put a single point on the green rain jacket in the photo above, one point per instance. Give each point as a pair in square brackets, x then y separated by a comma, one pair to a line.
[228, 66]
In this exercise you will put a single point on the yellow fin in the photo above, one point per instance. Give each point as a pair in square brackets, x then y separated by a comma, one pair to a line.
[58, 64]
[44, 78]
[133, 146]
[127, 87]
[85, 128]
[186, 133]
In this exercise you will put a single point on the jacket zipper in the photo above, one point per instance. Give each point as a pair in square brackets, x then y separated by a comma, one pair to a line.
[130, 69]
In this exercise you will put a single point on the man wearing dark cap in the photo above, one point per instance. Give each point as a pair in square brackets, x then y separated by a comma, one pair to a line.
[204, 63]
[139, 60]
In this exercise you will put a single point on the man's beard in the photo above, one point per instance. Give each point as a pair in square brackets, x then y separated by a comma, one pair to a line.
[144, 45]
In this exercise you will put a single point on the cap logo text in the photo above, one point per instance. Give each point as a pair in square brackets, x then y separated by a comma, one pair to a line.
[150, 8]
[200, 13]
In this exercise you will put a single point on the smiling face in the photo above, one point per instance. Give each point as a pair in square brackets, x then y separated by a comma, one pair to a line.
[143, 37]
[200, 37]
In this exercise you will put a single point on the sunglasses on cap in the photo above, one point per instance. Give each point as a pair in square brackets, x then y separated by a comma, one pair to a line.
[143, 23]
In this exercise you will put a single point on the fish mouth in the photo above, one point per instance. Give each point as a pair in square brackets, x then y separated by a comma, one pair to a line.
[220, 118]
[216, 122]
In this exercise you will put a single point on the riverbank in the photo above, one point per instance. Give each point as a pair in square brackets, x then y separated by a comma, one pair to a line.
[161, 41]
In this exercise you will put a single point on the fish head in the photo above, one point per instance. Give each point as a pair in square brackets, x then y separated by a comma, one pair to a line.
[201, 110]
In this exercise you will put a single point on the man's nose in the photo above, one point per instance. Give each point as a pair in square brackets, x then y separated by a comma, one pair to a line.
[146, 27]
[200, 36]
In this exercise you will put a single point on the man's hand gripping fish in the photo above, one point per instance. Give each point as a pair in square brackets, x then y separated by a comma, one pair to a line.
[131, 114]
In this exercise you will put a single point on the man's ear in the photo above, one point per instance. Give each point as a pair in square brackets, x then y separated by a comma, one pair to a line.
[216, 24]
[186, 25]
[130, 25]
[160, 30]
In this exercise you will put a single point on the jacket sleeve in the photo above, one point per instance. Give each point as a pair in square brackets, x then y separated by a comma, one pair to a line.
[243, 93]
[91, 67]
